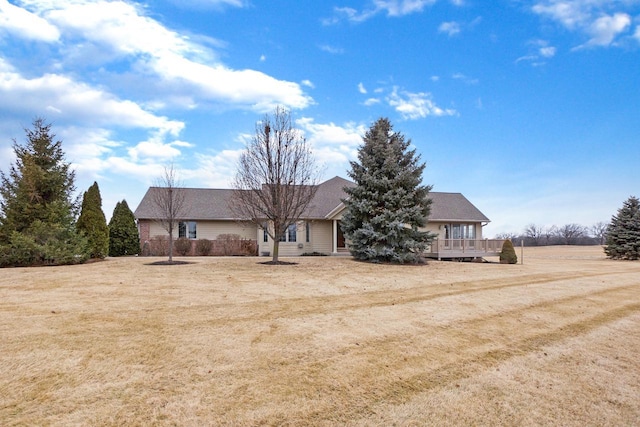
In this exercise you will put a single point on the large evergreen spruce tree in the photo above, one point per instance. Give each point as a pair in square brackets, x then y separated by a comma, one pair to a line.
[37, 210]
[623, 233]
[93, 224]
[123, 232]
[388, 206]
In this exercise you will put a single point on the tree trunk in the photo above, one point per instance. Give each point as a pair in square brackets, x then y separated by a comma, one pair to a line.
[171, 245]
[276, 249]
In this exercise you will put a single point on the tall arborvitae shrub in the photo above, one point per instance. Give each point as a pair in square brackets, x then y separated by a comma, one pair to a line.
[623, 233]
[37, 207]
[508, 253]
[123, 231]
[93, 224]
[388, 206]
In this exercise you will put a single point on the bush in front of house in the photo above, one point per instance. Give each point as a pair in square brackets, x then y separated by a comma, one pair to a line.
[158, 246]
[204, 247]
[182, 246]
[508, 253]
[229, 244]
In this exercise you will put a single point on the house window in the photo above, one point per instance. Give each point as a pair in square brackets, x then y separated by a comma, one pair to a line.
[307, 231]
[470, 231]
[265, 235]
[456, 231]
[187, 229]
[292, 233]
[462, 231]
[289, 234]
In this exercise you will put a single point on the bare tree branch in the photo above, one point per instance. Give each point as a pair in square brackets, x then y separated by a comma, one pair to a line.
[277, 177]
[168, 200]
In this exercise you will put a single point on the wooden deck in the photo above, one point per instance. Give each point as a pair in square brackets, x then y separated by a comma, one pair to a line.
[464, 248]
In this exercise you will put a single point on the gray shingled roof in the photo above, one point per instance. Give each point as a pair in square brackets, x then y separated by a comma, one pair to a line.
[453, 207]
[328, 196]
[211, 204]
[200, 203]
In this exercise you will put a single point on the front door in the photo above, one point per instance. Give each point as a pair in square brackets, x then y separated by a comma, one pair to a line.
[340, 238]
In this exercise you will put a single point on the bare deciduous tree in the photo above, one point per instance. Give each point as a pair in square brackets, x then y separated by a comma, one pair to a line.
[548, 234]
[534, 233]
[277, 177]
[168, 199]
[507, 236]
[570, 233]
[599, 231]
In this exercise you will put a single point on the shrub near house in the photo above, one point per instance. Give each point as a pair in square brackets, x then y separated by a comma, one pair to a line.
[508, 254]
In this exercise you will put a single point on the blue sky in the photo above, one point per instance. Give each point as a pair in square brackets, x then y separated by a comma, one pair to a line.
[530, 108]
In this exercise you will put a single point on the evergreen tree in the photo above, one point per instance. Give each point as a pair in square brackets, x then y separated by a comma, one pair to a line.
[508, 253]
[37, 212]
[93, 224]
[123, 232]
[388, 205]
[623, 233]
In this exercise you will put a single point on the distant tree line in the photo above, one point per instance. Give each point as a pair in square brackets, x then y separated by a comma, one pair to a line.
[568, 234]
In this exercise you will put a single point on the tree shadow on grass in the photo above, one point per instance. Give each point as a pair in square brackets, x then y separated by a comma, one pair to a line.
[167, 262]
[278, 263]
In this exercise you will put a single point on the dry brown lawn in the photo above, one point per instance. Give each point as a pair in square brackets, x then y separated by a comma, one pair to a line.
[329, 341]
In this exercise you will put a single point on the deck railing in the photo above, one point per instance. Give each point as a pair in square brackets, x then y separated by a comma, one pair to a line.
[458, 248]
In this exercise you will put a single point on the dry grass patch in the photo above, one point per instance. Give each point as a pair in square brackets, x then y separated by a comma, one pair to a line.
[328, 341]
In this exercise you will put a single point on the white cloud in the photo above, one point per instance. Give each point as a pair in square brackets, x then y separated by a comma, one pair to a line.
[414, 106]
[361, 88]
[86, 147]
[122, 29]
[539, 51]
[333, 145]
[371, 101]
[64, 97]
[402, 7]
[204, 4]
[527, 58]
[450, 28]
[571, 14]
[308, 83]
[393, 8]
[603, 21]
[214, 170]
[604, 30]
[27, 25]
[153, 149]
[143, 172]
[547, 52]
[464, 78]
[332, 49]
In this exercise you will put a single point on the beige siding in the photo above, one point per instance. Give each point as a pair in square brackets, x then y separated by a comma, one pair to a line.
[210, 229]
[322, 236]
[156, 229]
[290, 249]
[299, 247]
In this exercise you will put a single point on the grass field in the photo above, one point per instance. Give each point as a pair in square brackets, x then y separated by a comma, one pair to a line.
[329, 341]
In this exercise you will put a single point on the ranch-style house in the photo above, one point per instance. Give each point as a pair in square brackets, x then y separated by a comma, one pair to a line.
[454, 219]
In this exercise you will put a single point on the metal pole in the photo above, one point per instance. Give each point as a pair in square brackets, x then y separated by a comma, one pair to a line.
[521, 251]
